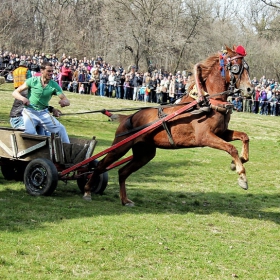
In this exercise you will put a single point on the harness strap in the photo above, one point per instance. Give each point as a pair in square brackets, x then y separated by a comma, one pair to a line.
[161, 115]
[131, 130]
[222, 107]
[169, 135]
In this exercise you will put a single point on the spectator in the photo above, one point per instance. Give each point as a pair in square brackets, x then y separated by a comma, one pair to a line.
[94, 81]
[126, 87]
[172, 90]
[273, 103]
[75, 86]
[263, 101]
[6, 59]
[81, 78]
[16, 60]
[121, 69]
[158, 94]
[34, 67]
[10, 77]
[118, 84]
[147, 94]
[103, 81]
[268, 96]
[136, 83]
[277, 107]
[180, 88]
[66, 75]
[111, 83]
[81, 89]
[164, 84]
[21, 74]
[256, 96]
[237, 104]
[142, 92]
[1, 62]
[255, 82]
[153, 85]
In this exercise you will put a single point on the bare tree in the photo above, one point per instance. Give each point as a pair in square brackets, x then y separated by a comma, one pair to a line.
[273, 4]
[171, 35]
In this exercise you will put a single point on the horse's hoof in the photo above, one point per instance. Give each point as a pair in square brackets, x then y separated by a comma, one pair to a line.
[129, 204]
[232, 166]
[87, 197]
[243, 184]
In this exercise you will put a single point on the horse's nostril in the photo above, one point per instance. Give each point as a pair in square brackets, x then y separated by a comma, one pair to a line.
[248, 89]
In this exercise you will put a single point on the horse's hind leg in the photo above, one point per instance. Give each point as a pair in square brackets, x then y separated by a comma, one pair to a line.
[110, 158]
[213, 141]
[142, 154]
[232, 135]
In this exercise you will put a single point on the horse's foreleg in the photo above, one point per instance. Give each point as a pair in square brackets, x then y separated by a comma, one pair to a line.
[213, 141]
[142, 154]
[232, 135]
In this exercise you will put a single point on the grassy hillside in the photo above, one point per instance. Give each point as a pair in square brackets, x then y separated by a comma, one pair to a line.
[191, 219]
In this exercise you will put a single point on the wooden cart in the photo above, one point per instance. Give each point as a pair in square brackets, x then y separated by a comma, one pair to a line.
[38, 161]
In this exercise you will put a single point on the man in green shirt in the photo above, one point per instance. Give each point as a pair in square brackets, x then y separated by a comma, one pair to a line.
[40, 91]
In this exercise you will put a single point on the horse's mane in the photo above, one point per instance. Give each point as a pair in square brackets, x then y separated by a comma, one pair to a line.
[206, 67]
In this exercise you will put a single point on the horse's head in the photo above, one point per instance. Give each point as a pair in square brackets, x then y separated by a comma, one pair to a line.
[237, 70]
[221, 73]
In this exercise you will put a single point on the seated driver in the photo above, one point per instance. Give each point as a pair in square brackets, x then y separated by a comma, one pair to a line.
[40, 91]
[16, 118]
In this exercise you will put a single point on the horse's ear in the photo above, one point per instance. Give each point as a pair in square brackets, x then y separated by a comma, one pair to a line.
[228, 49]
[234, 48]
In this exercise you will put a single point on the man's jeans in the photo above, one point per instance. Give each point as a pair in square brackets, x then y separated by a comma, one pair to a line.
[101, 89]
[42, 118]
[17, 123]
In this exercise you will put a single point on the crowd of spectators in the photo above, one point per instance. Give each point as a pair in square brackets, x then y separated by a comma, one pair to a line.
[265, 99]
[98, 77]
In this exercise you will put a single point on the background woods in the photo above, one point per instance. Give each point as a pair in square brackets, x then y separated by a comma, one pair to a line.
[167, 34]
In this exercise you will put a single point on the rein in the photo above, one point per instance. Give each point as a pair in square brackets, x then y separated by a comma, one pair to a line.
[103, 111]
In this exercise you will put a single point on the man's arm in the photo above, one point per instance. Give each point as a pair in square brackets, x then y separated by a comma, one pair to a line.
[63, 100]
[16, 94]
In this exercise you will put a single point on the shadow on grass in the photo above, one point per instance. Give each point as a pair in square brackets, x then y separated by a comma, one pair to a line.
[20, 212]
[18, 209]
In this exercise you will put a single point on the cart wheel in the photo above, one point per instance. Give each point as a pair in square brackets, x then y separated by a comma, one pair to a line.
[100, 188]
[101, 183]
[40, 177]
[13, 172]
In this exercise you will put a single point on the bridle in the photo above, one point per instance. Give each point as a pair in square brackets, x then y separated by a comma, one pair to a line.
[235, 69]
[227, 64]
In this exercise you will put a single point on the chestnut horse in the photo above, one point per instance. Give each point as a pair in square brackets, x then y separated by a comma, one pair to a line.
[204, 125]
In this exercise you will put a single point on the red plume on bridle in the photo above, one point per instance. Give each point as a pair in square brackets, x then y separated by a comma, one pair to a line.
[240, 50]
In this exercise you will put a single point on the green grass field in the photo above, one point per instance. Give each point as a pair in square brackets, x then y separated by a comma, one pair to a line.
[191, 219]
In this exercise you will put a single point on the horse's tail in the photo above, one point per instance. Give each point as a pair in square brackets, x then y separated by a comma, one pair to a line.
[113, 117]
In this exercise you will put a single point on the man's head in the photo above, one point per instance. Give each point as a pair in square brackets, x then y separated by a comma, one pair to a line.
[23, 63]
[47, 70]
